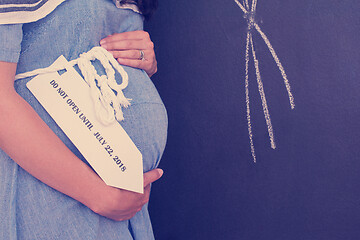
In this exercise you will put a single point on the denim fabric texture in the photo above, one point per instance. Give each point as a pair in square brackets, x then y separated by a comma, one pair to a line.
[29, 208]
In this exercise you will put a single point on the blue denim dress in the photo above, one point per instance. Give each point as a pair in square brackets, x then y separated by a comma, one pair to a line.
[29, 208]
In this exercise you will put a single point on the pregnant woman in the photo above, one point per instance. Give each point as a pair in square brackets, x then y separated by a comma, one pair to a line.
[47, 189]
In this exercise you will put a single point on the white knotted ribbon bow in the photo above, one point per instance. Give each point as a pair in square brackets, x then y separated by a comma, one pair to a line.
[106, 93]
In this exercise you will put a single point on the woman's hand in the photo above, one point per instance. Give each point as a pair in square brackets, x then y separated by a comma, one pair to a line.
[128, 47]
[119, 205]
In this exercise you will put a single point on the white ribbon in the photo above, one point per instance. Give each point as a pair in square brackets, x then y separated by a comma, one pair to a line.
[106, 93]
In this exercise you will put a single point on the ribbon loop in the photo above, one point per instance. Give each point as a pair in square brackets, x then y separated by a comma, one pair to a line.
[106, 93]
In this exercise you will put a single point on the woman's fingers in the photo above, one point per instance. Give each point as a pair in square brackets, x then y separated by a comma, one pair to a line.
[152, 176]
[125, 204]
[128, 40]
[128, 54]
[137, 200]
[133, 49]
[128, 45]
[133, 35]
[131, 58]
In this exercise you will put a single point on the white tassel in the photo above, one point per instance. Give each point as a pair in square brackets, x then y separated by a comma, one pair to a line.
[108, 104]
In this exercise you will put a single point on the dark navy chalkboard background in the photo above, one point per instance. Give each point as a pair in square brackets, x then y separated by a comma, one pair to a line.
[305, 189]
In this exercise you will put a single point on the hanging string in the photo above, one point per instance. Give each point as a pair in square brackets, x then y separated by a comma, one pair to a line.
[106, 93]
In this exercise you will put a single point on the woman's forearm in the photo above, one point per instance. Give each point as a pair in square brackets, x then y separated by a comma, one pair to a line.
[33, 145]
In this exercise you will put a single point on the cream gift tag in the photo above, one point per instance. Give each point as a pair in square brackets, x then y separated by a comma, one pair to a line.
[108, 149]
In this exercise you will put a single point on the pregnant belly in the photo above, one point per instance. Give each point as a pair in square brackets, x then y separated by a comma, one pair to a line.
[146, 125]
[145, 120]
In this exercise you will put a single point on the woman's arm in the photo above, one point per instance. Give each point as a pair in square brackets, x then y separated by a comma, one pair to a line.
[126, 47]
[33, 145]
